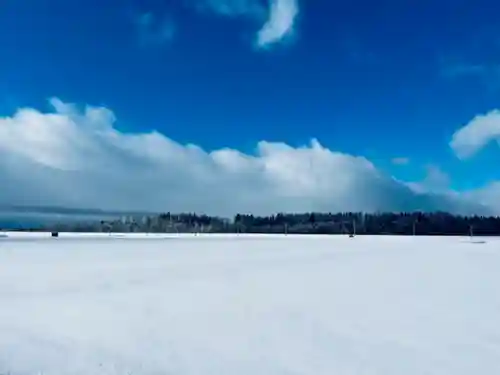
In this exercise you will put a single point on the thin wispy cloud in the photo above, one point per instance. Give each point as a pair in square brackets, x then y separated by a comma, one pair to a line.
[153, 30]
[231, 8]
[486, 73]
[477, 57]
[463, 69]
[357, 52]
[400, 161]
[73, 158]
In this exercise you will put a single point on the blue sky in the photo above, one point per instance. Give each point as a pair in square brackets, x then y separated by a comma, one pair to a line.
[381, 80]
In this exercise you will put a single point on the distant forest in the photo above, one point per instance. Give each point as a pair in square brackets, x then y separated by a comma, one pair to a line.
[419, 223]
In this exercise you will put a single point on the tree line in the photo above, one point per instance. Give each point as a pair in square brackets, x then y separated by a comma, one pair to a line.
[352, 223]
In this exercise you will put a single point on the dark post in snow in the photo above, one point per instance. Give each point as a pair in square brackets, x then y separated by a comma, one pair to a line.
[471, 231]
[286, 229]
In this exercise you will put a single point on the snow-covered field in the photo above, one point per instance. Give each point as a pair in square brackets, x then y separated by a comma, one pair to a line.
[248, 305]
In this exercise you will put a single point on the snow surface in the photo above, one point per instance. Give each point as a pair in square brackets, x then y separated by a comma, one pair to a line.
[100, 304]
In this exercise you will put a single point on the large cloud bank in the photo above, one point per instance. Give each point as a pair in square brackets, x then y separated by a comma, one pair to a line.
[77, 158]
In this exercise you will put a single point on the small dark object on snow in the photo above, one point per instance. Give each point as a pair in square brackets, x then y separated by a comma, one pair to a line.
[55, 234]
[351, 235]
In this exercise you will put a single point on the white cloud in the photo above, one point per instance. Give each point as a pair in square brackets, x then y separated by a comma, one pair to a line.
[476, 134]
[79, 159]
[279, 16]
[282, 16]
